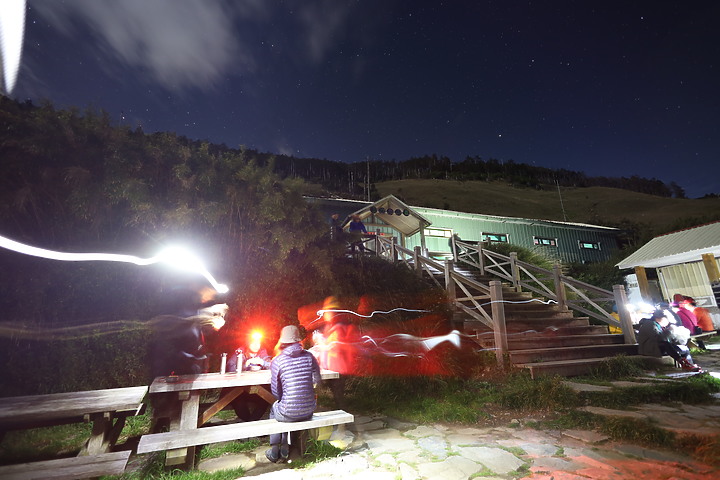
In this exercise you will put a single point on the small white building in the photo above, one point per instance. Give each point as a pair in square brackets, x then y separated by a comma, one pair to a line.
[687, 262]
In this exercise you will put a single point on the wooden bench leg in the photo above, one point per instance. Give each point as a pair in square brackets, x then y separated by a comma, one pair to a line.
[101, 426]
[184, 458]
[298, 443]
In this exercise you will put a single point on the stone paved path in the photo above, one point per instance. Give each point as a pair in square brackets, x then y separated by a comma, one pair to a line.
[381, 448]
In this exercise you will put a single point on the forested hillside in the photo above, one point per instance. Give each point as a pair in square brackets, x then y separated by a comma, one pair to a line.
[72, 181]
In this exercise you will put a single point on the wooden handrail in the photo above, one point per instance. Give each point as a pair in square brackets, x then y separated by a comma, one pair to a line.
[568, 292]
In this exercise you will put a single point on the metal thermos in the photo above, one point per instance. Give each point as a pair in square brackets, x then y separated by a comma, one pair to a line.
[223, 362]
[240, 361]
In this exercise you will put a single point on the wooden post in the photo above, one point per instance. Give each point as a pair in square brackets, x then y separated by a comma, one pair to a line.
[711, 267]
[416, 258]
[559, 287]
[481, 258]
[498, 315]
[515, 272]
[643, 284]
[449, 282]
[625, 320]
[453, 248]
[394, 251]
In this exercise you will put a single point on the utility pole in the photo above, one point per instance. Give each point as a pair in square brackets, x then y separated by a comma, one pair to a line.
[562, 206]
[367, 160]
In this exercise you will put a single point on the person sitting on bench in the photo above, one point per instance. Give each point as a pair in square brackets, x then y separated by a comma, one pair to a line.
[249, 406]
[656, 339]
[294, 372]
[704, 319]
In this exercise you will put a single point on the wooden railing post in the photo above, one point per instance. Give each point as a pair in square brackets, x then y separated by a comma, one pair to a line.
[449, 282]
[393, 251]
[416, 258]
[498, 315]
[515, 272]
[453, 248]
[481, 258]
[559, 287]
[625, 320]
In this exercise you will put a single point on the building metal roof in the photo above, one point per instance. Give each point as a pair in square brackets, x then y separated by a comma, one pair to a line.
[505, 219]
[395, 213]
[675, 248]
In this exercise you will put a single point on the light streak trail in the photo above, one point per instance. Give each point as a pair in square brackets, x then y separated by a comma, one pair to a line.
[74, 332]
[544, 302]
[320, 313]
[12, 30]
[173, 256]
[425, 343]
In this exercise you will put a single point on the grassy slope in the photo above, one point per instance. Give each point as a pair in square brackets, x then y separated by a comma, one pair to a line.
[596, 205]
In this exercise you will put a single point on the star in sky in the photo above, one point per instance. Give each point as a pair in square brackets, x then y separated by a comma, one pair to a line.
[612, 88]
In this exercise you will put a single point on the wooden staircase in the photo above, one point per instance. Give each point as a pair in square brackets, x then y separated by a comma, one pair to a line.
[545, 339]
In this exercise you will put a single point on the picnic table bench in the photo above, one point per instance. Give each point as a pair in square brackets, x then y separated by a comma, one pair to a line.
[222, 433]
[178, 399]
[106, 409]
[700, 336]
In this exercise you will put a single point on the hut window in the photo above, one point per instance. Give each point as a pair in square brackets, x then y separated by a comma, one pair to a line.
[590, 245]
[438, 232]
[550, 242]
[495, 237]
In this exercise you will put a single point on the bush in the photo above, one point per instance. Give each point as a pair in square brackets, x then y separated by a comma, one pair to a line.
[87, 362]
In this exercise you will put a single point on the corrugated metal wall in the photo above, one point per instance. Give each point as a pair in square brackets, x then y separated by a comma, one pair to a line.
[689, 279]
[567, 242]
[563, 240]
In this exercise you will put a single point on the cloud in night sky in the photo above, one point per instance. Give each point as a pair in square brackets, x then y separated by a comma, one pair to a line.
[184, 44]
[179, 44]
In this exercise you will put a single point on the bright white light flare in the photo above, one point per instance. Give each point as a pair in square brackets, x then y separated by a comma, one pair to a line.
[12, 30]
[175, 257]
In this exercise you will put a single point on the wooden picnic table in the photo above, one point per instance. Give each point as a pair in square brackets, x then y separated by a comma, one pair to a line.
[106, 409]
[178, 399]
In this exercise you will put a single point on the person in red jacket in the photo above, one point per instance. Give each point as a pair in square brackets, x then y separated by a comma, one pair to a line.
[688, 318]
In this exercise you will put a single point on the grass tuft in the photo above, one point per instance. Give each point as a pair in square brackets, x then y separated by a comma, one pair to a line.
[219, 449]
[316, 452]
[521, 392]
[617, 368]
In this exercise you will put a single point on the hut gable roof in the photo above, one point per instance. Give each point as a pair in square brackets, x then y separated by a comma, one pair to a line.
[677, 247]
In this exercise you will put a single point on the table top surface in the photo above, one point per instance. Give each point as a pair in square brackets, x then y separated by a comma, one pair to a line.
[206, 381]
[57, 406]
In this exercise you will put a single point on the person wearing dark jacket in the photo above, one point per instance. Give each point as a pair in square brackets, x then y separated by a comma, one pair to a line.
[356, 228]
[655, 339]
[294, 372]
[249, 406]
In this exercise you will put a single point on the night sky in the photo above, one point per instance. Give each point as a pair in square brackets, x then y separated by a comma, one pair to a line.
[612, 88]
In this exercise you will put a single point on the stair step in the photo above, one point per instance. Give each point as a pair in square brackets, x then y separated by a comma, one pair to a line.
[535, 326]
[512, 313]
[535, 342]
[565, 368]
[523, 341]
[539, 324]
[544, 355]
[555, 331]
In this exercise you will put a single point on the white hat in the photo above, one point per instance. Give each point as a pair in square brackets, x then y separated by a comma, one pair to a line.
[290, 334]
